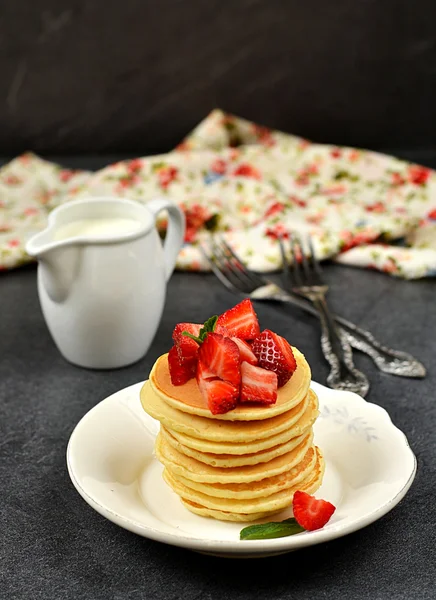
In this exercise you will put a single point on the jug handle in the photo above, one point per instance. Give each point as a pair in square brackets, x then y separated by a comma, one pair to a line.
[175, 233]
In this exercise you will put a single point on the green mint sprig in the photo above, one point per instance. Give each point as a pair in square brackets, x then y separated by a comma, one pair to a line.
[208, 327]
[267, 531]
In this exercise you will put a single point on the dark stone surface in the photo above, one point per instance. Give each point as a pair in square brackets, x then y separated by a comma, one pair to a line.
[137, 76]
[54, 546]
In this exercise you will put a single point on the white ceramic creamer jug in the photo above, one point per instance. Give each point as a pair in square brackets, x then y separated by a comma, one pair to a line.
[102, 277]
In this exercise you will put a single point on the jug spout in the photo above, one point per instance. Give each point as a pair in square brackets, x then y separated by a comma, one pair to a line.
[58, 264]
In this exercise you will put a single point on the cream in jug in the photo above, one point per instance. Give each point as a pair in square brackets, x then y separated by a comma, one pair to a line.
[96, 228]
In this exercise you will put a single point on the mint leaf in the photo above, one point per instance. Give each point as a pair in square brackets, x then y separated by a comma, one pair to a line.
[267, 531]
[193, 337]
[208, 327]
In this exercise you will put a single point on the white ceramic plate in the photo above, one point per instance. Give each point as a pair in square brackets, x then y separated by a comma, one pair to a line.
[369, 468]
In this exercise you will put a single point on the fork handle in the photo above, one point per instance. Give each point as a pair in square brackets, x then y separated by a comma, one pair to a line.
[337, 351]
[394, 362]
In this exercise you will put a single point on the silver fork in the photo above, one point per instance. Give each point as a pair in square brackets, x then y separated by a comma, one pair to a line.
[306, 279]
[233, 274]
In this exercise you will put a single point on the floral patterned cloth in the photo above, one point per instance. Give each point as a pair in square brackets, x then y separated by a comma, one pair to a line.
[253, 184]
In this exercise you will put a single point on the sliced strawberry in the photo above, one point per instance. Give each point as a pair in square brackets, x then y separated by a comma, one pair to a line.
[311, 513]
[241, 320]
[221, 356]
[222, 330]
[181, 371]
[258, 385]
[187, 348]
[275, 354]
[245, 351]
[221, 396]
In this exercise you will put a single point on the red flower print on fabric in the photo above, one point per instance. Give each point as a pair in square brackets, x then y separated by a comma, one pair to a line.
[377, 207]
[66, 174]
[263, 135]
[246, 170]
[196, 216]
[277, 231]
[29, 212]
[298, 201]
[274, 209]
[166, 175]
[350, 240]
[219, 166]
[12, 180]
[303, 176]
[397, 179]
[419, 175]
[135, 165]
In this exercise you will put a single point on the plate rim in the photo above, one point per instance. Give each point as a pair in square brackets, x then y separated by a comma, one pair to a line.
[234, 547]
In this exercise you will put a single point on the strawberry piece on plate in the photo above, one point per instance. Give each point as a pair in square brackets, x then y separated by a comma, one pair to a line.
[311, 513]
[187, 348]
[221, 396]
[241, 321]
[275, 354]
[245, 351]
[258, 385]
[221, 356]
[181, 371]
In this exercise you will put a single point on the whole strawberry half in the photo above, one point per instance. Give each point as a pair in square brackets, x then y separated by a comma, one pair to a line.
[241, 321]
[275, 354]
[258, 385]
[221, 356]
[311, 513]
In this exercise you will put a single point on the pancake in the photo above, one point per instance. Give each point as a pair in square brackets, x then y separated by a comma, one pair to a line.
[236, 449]
[230, 460]
[269, 504]
[188, 398]
[194, 470]
[221, 515]
[257, 489]
[213, 429]
[240, 447]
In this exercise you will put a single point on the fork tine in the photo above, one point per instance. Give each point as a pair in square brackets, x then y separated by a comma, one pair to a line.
[219, 274]
[315, 263]
[255, 279]
[296, 270]
[286, 267]
[234, 263]
[220, 253]
[228, 270]
[305, 262]
[226, 266]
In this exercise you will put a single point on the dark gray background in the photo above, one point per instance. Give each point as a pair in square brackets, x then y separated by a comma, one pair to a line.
[137, 75]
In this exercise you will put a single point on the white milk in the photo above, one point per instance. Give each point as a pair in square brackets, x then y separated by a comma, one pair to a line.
[96, 228]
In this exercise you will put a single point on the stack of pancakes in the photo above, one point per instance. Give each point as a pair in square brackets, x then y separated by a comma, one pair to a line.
[242, 465]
